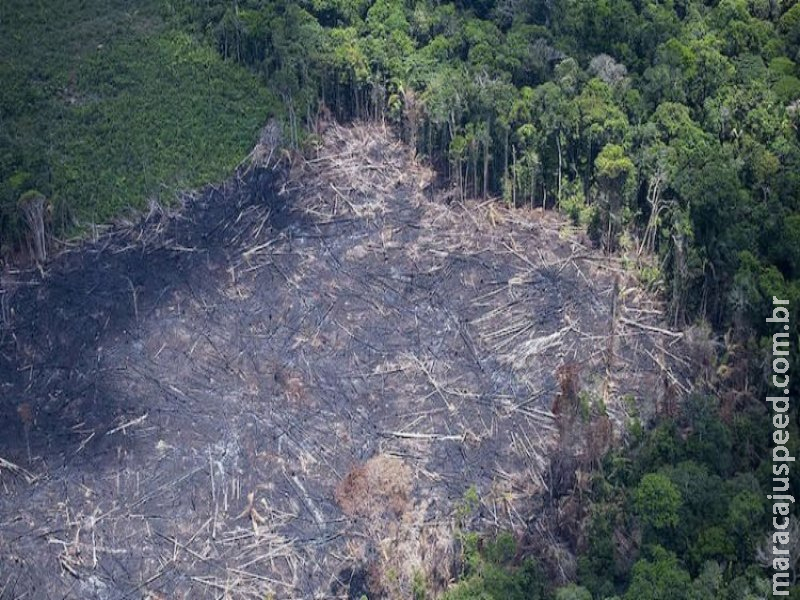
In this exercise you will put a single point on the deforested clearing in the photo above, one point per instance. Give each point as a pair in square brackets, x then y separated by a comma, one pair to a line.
[288, 385]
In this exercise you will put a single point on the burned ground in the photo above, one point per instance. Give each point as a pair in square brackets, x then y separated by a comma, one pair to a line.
[287, 386]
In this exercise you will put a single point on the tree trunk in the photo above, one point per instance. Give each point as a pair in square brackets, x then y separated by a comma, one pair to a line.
[33, 208]
[505, 155]
[558, 145]
[514, 177]
[474, 169]
[485, 168]
[680, 277]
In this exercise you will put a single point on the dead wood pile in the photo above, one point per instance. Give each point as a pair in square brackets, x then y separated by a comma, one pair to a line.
[287, 387]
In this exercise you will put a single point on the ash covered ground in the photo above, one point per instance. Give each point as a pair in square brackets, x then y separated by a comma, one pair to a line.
[287, 386]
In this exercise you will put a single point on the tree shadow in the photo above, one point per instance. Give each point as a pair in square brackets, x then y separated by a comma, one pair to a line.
[54, 361]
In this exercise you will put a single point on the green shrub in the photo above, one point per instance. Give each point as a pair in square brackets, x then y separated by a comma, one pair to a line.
[491, 572]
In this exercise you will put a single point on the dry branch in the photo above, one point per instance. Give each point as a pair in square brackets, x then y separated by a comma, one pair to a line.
[15, 469]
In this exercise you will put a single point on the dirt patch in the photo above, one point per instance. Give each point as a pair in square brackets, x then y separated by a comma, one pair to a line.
[381, 485]
[399, 545]
[184, 399]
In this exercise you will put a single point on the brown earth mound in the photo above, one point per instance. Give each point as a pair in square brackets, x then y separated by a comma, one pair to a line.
[286, 388]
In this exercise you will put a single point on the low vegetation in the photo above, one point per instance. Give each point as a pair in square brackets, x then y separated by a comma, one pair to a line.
[105, 106]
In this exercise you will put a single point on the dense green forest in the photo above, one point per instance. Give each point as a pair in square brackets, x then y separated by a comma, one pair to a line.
[678, 515]
[668, 128]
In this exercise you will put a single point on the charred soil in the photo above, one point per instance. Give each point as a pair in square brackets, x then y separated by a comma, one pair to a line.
[286, 386]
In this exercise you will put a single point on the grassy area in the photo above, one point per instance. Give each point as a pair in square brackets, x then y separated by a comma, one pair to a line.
[104, 104]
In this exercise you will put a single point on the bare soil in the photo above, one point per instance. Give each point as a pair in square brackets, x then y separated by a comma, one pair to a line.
[285, 388]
